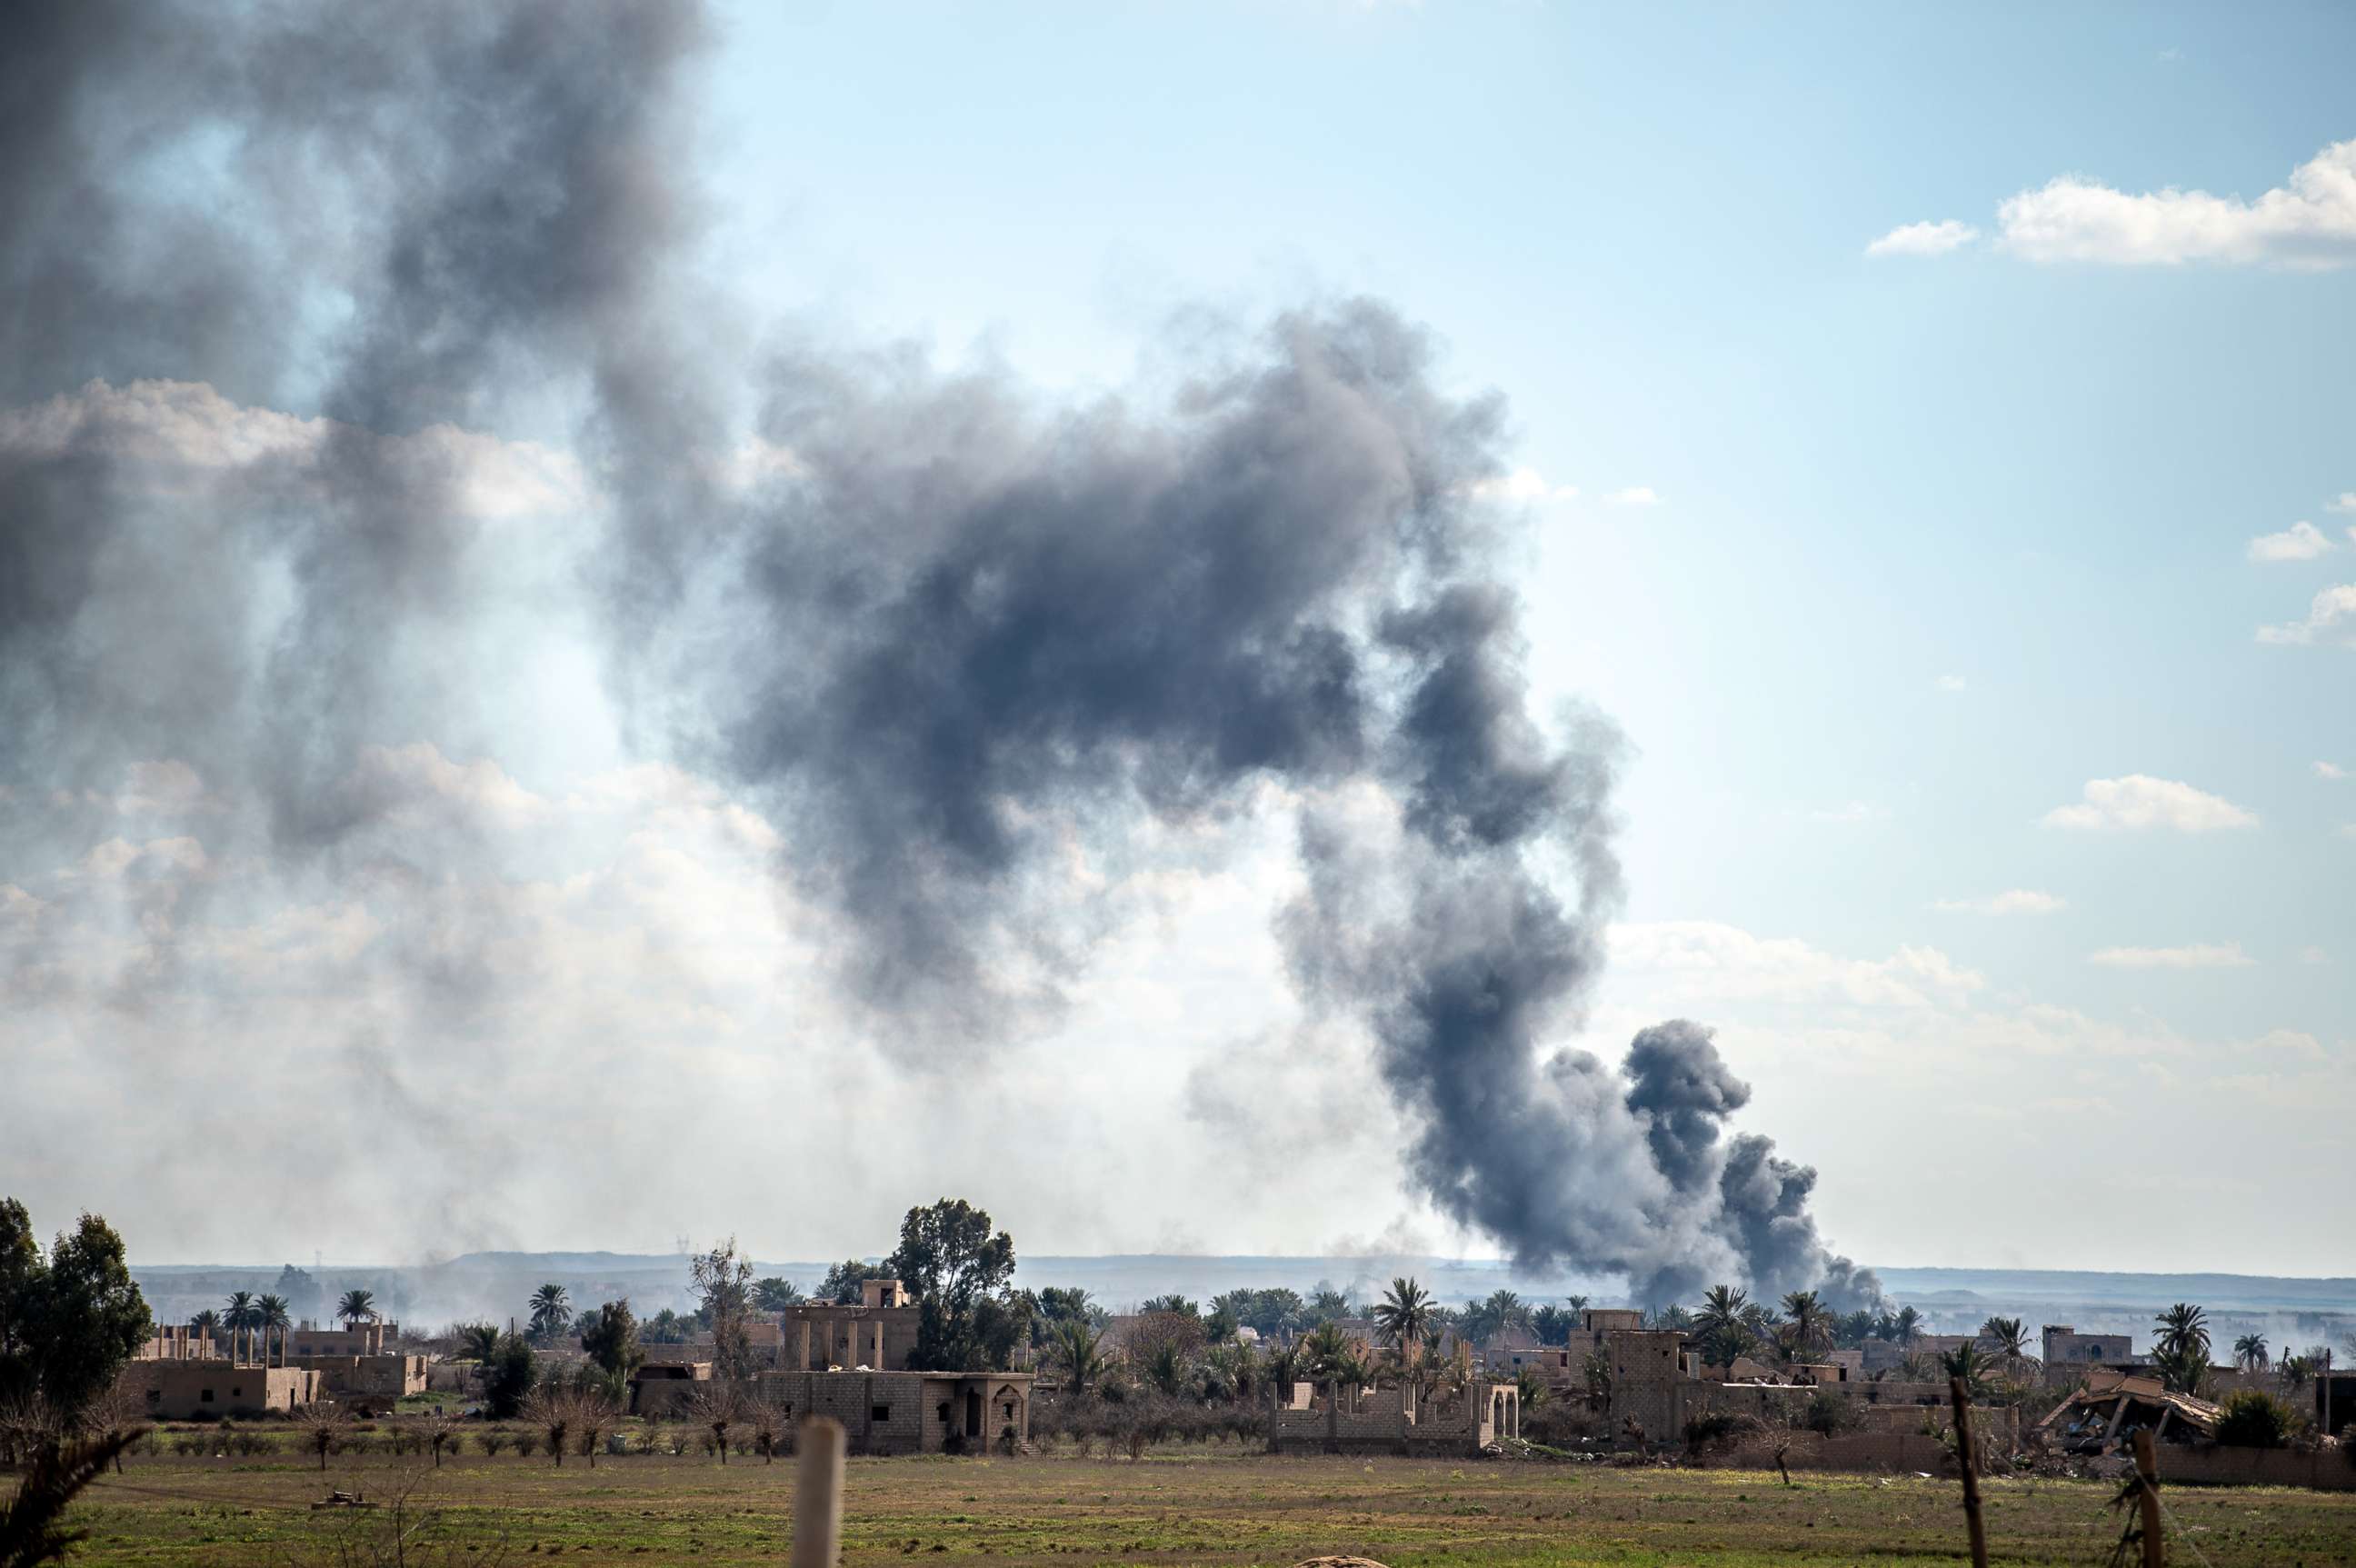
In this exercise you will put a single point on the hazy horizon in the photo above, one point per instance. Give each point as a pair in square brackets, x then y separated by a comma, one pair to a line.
[1670, 645]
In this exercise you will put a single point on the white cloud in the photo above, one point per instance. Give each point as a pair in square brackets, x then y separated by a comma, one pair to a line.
[2299, 541]
[2017, 901]
[2331, 618]
[2200, 955]
[410, 783]
[2329, 771]
[2344, 501]
[2345, 831]
[1952, 682]
[1523, 485]
[2309, 222]
[1924, 239]
[2139, 802]
[1723, 963]
[2313, 955]
[1633, 495]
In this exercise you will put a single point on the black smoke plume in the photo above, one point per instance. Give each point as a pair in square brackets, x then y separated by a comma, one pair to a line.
[955, 639]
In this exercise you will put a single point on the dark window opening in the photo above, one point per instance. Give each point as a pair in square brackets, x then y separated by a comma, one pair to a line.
[207, 1396]
[945, 1413]
[882, 1413]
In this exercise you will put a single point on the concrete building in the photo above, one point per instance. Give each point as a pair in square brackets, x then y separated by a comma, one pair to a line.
[1454, 1423]
[2065, 1347]
[193, 1390]
[362, 1339]
[176, 1342]
[661, 1390]
[911, 1413]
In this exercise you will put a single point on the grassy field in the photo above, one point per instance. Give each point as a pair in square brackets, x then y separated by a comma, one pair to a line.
[1217, 1507]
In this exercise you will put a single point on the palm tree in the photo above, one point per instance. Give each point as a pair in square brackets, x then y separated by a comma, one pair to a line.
[205, 1324]
[552, 1309]
[2296, 1371]
[2181, 1349]
[1906, 1325]
[1969, 1362]
[1808, 1323]
[239, 1316]
[1578, 1304]
[1507, 1310]
[1402, 1317]
[2250, 1352]
[1075, 1347]
[1723, 1332]
[2009, 1335]
[356, 1304]
[275, 1318]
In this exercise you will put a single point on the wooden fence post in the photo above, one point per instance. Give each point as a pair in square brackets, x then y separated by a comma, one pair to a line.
[2147, 1460]
[817, 1493]
[1968, 1458]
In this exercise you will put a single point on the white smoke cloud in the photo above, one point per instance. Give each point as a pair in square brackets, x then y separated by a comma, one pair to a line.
[2140, 803]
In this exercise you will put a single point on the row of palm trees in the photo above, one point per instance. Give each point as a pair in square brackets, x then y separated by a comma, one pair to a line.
[251, 1319]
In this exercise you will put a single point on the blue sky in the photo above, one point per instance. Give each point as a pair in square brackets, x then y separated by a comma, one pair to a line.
[1921, 567]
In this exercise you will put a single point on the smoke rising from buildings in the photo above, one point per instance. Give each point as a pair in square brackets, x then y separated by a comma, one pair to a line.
[950, 639]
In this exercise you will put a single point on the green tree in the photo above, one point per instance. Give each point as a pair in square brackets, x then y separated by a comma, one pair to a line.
[552, 1311]
[2250, 1352]
[2180, 1350]
[509, 1376]
[2008, 1335]
[1906, 1326]
[1074, 1347]
[239, 1316]
[776, 1295]
[274, 1320]
[205, 1325]
[843, 1280]
[1553, 1325]
[1723, 1333]
[2255, 1418]
[1403, 1315]
[1326, 1304]
[610, 1340]
[358, 1307]
[1171, 1302]
[1969, 1362]
[953, 1262]
[69, 1323]
[1807, 1324]
[724, 1286]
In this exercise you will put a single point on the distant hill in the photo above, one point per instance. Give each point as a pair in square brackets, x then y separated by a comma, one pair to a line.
[495, 1286]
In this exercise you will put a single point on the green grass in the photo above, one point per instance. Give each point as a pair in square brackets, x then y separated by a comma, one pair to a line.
[1220, 1506]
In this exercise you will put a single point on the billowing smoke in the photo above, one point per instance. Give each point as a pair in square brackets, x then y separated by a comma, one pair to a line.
[951, 637]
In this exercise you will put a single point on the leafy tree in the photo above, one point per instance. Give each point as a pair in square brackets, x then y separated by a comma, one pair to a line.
[357, 1307]
[724, 1285]
[1553, 1325]
[949, 1257]
[1672, 1316]
[1059, 1305]
[2296, 1371]
[552, 1311]
[205, 1325]
[665, 1328]
[843, 1280]
[1807, 1321]
[2008, 1335]
[276, 1319]
[2250, 1352]
[611, 1339]
[1166, 1368]
[243, 1320]
[1969, 1362]
[1171, 1302]
[1074, 1346]
[1326, 1304]
[1724, 1332]
[776, 1295]
[1906, 1326]
[479, 1340]
[2255, 1418]
[1269, 1312]
[1575, 1305]
[509, 1376]
[69, 1323]
[2180, 1351]
[1402, 1316]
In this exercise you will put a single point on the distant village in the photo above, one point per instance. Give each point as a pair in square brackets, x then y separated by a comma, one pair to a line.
[932, 1350]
